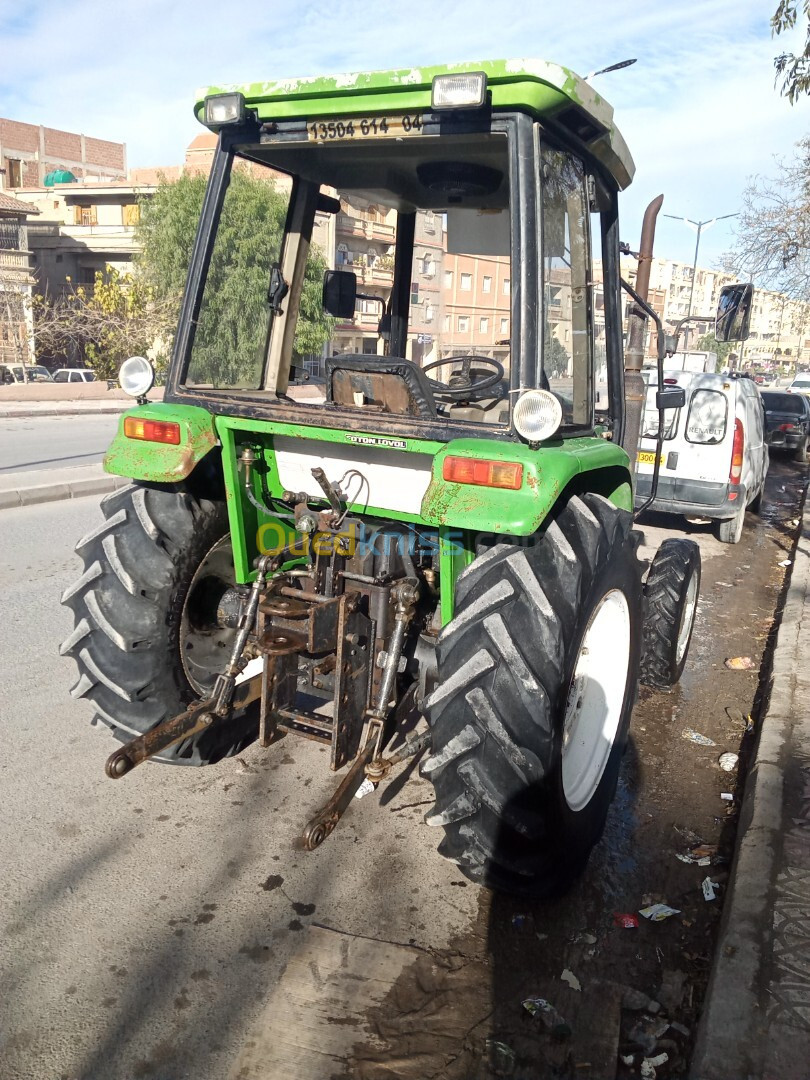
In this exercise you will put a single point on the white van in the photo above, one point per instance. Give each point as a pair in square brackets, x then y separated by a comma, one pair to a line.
[714, 457]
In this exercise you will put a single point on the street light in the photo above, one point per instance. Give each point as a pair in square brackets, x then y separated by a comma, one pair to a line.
[698, 227]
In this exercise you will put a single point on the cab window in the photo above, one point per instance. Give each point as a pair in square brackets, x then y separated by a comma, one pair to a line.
[566, 339]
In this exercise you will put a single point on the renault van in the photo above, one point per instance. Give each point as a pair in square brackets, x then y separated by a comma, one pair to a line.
[714, 458]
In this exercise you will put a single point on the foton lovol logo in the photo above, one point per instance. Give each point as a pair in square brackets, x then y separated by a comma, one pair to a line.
[377, 440]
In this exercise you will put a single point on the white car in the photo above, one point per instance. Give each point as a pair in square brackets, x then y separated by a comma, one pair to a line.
[13, 373]
[800, 385]
[714, 457]
[74, 374]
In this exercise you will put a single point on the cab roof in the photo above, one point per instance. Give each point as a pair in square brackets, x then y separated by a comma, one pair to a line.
[548, 91]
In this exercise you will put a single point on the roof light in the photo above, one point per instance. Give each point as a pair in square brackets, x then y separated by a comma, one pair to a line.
[136, 376]
[161, 431]
[467, 91]
[483, 473]
[537, 415]
[224, 109]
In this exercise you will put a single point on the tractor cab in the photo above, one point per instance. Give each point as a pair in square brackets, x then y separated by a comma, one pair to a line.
[481, 270]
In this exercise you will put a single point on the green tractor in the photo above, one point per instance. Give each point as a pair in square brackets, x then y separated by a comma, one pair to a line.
[441, 525]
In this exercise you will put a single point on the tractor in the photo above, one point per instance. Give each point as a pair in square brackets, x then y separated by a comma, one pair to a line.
[437, 523]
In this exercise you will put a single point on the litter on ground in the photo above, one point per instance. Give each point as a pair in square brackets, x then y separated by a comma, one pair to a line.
[658, 912]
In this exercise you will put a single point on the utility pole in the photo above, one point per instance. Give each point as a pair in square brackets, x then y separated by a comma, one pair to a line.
[698, 227]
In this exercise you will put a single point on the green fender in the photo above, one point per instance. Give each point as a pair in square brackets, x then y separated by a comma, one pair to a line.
[547, 472]
[162, 462]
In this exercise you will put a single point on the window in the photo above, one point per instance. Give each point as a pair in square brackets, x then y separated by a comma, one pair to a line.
[464, 324]
[130, 214]
[448, 279]
[84, 215]
[466, 282]
[428, 266]
[708, 413]
[566, 339]
[428, 311]
[447, 324]
[486, 284]
[430, 221]
[9, 234]
[504, 326]
[483, 326]
[14, 172]
[505, 289]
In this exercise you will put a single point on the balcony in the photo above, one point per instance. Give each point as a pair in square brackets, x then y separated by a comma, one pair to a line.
[367, 230]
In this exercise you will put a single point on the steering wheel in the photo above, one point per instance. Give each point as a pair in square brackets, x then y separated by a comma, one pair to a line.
[462, 383]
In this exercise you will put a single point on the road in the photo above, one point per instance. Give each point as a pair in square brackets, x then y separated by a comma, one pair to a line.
[143, 923]
[42, 442]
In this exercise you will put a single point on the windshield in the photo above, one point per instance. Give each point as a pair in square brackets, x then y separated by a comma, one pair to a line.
[422, 224]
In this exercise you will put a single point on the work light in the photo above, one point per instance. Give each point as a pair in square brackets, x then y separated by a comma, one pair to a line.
[468, 91]
[223, 109]
[537, 415]
[136, 376]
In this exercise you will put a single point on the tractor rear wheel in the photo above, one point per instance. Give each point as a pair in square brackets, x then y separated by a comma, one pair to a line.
[145, 639]
[671, 594]
[537, 679]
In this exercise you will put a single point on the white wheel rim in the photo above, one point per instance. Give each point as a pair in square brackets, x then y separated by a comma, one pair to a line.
[595, 699]
[687, 619]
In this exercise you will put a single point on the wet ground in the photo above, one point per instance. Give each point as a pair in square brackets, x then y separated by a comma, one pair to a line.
[145, 925]
[621, 993]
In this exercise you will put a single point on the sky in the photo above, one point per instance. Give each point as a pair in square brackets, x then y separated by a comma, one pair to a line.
[698, 110]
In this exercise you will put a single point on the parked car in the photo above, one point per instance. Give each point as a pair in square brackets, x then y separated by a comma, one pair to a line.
[74, 374]
[715, 457]
[800, 385]
[787, 422]
[13, 373]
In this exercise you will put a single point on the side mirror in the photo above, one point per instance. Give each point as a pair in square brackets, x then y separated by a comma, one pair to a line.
[674, 398]
[734, 312]
[339, 293]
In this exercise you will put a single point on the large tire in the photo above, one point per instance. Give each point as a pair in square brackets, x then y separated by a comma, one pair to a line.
[730, 530]
[518, 813]
[153, 572]
[800, 453]
[670, 602]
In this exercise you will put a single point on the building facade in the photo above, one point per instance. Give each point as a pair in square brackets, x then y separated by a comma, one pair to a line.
[28, 152]
[82, 229]
[16, 282]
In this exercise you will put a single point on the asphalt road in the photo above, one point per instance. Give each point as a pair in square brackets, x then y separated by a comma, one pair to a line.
[144, 922]
[42, 442]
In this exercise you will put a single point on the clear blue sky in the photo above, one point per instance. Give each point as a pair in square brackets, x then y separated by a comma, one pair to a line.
[699, 110]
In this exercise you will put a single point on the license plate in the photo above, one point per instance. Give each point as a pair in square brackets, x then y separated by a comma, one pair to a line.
[647, 457]
[370, 127]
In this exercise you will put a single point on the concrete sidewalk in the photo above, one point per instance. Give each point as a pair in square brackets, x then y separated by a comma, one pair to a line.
[17, 409]
[756, 1020]
[49, 485]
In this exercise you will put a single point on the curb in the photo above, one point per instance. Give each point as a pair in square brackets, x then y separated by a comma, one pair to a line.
[733, 1031]
[24, 414]
[75, 489]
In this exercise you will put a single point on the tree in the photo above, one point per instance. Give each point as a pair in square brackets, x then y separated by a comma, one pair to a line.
[794, 71]
[116, 318]
[709, 343]
[773, 229]
[230, 334]
[555, 357]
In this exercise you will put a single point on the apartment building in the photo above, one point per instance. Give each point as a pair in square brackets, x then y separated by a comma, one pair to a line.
[476, 296]
[29, 152]
[82, 229]
[16, 282]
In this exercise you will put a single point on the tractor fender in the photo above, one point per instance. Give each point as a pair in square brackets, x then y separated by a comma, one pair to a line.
[588, 463]
[159, 462]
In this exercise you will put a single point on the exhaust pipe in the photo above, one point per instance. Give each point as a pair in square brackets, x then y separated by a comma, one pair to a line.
[634, 389]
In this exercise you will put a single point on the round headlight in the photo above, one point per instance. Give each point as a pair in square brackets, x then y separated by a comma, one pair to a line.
[136, 376]
[537, 415]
